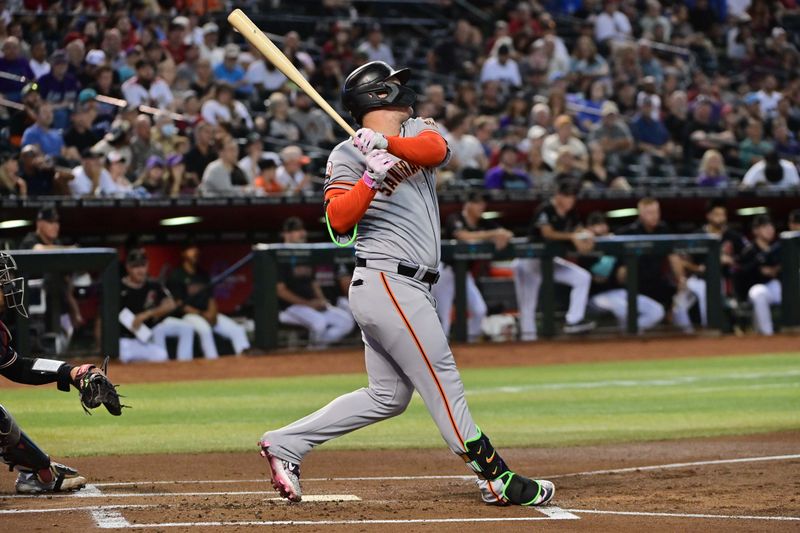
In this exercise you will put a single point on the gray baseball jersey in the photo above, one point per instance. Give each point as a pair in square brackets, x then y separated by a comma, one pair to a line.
[402, 222]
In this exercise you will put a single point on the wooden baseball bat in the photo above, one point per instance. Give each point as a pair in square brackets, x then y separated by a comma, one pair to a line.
[273, 54]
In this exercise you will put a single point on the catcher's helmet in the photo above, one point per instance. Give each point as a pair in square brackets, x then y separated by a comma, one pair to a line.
[13, 286]
[366, 88]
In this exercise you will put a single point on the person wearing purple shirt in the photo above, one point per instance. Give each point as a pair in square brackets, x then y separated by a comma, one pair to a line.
[505, 175]
[13, 63]
[60, 88]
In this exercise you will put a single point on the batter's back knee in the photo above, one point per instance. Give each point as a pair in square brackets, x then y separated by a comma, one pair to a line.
[392, 403]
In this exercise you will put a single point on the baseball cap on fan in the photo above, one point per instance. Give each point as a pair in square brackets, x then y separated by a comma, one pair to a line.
[293, 152]
[95, 57]
[136, 257]
[48, 213]
[232, 51]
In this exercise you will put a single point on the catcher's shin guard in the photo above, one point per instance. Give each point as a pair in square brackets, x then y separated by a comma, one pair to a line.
[16, 448]
[482, 458]
[9, 431]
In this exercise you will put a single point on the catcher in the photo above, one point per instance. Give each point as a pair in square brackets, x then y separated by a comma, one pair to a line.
[37, 473]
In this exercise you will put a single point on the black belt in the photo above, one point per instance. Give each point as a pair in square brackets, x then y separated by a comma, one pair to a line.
[410, 271]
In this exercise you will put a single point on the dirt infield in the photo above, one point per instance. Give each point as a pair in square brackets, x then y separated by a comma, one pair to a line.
[431, 491]
[747, 483]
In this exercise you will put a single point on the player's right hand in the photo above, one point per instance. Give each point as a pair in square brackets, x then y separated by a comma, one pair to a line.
[378, 164]
[367, 140]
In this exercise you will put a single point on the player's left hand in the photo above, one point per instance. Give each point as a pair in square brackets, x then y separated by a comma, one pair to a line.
[367, 140]
[95, 388]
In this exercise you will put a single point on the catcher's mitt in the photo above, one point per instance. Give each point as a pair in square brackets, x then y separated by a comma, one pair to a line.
[95, 388]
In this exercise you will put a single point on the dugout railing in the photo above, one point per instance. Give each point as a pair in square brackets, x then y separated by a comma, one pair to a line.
[51, 264]
[267, 257]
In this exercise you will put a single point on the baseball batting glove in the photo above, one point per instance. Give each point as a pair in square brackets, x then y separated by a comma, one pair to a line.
[95, 389]
[367, 140]
[378, 164]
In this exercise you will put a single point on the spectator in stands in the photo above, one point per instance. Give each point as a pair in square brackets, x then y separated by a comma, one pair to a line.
[280, 125]
[26, 117]
[117, 167]
[515, 119]
[177, 181]
[608, 292]
[49, 141]
[507, 174]
[501, 67]
[589, 114]
[152, 182]
[145, 88]
[652, 138]
[768, 97]
[13, 62]
[10, 183]
[374, 47]
[467, 226]
[290, 174]
[654, 22]
[80, 135]
[204, 81]
[41, 177]
[267, 180]
[703, 132]
[467, 156]
[614, 137]
[652, 282]
[772, 172]
[564, 136]
[759, 273]
[38, 59]
[223, 176]
[224, 108]
[586, 65]
[255, 151]
[59, 88]
[301, 299]
[150, 304]
[264, 77]
[328, 79]
[597, 176]
[300, 58]
[611, 24]
[141, 145]
[230, 72]
[112, 47]
[785, 140]
[540, 173]
[209, 47]
[90, 178]
[175, 43]
[202, 153]
[794, 220]
[712, 172]
[315, 125]
[555, 220]
[457, 55]
[191, 286]
[754, 146]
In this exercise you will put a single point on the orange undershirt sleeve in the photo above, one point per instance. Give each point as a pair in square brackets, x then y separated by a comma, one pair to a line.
[428, 149]
[345, 208]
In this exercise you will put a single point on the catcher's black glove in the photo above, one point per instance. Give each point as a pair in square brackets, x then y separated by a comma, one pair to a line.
[95, 388]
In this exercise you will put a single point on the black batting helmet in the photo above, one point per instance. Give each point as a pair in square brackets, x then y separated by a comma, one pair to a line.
[366, 88]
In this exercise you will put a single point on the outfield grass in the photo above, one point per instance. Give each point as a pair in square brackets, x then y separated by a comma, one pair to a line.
[520, 406]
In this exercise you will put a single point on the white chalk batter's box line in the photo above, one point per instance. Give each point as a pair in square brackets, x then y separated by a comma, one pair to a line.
[644, 468]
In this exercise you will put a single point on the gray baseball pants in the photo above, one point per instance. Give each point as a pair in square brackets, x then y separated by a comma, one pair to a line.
[405, 350]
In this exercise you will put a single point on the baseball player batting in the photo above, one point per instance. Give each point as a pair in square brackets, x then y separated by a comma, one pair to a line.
[37, 473]
[384, 180]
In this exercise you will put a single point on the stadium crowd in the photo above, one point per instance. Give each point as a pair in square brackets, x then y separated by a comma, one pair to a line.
[143, 99]
[147, 100]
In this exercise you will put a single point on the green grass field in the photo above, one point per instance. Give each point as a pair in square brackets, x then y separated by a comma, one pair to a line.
[521, 406]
